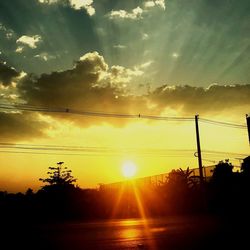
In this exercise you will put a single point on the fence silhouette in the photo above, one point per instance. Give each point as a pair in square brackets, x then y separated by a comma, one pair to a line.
[158, 180]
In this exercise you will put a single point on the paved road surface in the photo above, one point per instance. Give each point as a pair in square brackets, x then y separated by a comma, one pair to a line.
[165, 233]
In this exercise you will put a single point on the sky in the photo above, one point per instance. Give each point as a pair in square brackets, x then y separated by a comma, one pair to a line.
[172, 58]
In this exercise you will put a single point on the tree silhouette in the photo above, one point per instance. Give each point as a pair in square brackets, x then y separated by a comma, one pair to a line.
[245, 166]
[182, 178]
[223, 188]
[181, 190]
[59, 176]
[223, 171]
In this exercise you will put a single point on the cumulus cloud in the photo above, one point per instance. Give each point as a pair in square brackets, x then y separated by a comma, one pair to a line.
[154, 3]
[75, 4]
[119, 74]
[30, 41]
[85, 4]
[19, 49]
[93, 85]
[7, 74]
[135, 13]
[90, 85]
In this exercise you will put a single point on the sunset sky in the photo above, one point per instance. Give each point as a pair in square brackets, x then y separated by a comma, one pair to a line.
[172, 58]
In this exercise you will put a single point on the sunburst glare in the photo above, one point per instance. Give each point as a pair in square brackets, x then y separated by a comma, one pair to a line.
[129, 169]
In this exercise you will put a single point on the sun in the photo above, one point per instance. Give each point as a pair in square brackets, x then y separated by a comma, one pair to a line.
[129, 169]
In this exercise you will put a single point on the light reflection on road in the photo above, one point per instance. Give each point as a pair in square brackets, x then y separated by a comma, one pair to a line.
[124, 234]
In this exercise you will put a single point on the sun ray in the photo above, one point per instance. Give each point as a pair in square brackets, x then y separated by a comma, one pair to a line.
[143, 216]
[118, 201]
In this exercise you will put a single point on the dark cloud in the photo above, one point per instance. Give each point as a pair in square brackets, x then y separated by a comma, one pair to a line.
[7, 74]
[14, 126]
[85, 87]
[91, 85]
[191, 100]
[66, 88]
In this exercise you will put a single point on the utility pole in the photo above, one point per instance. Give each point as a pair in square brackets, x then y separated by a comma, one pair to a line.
[199, 148]
[248, 126]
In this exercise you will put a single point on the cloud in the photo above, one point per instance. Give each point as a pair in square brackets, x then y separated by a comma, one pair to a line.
[151, 4]
[119, 74]
[14, 126]
[30, 41]
[75, 4]
[85, 4]
[9, 93]
[175, 55]
[190, 100]
[135, 13]
[8, 33]
[145, 36]
[44, 56]
[146, 64]
[119, 46]
[48, 1]
[7, 74]
[19, 49]
[92, 85]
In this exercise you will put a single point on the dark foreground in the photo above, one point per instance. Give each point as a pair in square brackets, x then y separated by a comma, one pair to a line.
[162, 233]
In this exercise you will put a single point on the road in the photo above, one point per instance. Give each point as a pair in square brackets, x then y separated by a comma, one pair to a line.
[162, 233]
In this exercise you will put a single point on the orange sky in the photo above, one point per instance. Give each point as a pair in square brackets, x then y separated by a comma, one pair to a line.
[138, 141]
[124, 57]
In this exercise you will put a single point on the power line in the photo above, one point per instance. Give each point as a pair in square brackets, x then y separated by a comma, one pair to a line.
[32, 108]
[228, 124]
[24, 107]
[222, 152]
[8, 144]
[94, 154]
[44, 153]
[80, 150]
[93, 149]
[218, 157]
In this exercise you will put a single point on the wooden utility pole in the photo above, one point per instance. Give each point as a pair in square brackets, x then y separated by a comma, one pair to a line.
[198, 148]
